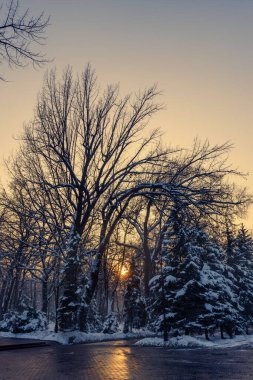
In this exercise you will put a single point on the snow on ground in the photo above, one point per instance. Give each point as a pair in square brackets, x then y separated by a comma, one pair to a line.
[186, 341]
[149, 339]
[76, 336]
[178, 342]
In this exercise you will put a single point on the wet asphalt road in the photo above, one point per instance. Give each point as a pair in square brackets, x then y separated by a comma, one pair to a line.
[122, 361]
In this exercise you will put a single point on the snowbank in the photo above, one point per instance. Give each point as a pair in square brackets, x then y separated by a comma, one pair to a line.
[178, 342]
[76, 336]
[186, 341]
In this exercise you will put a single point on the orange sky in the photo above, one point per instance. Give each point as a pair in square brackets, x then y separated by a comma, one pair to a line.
[198, 51]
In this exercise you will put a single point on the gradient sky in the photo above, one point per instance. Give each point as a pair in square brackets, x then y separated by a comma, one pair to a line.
[200, 52]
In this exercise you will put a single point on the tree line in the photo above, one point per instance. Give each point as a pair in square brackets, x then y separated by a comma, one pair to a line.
[91, 192]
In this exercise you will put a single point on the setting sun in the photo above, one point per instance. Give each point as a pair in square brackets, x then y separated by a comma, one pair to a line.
[124, 271]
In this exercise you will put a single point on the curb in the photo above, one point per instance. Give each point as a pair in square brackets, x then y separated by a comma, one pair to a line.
[18, 346]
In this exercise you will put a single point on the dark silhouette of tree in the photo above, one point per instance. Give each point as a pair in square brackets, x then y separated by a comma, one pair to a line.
[20, 34]
[134, 302]
[85, 168]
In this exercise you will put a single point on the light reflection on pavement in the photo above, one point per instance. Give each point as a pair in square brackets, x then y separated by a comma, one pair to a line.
[123, 361]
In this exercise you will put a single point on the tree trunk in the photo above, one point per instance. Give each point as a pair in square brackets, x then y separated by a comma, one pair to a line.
[56, 327]
[45, 295]
[8, 296]
[88, 296]
[69, 304]
[2, 296]
[35, 295]
[16, 293]
[147, 252]
[147, 272]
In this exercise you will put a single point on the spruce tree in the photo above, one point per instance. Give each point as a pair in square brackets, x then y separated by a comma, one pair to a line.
[243, 272]
[222, 309]
[134, 303]
[199, 291]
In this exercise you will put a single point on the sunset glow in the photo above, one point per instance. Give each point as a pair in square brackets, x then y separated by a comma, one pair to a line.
[126, 188]
[124, 271]
[198, 52]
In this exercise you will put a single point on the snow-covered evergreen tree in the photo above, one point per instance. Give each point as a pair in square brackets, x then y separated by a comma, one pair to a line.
[134, 303]
[222, 308]
[161, 296]
[111, 324]
[189, 298]
[165, 282]
[242, 267]
[200, 294]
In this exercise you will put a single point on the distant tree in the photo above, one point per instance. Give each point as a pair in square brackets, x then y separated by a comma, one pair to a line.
[230, 244]
[16, 237]
[242, 269]
[20, 33]
[134, 303]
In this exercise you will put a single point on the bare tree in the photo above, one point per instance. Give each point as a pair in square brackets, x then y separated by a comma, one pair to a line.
[197, 180]
[86, 154]
[16, 239]
[84, 151]
[20, 33]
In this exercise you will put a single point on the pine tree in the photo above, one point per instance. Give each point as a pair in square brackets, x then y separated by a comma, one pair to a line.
[189, 297]
[243, 272]
[165, 283]
[199, 290]
[161, 296]
[222, 309]
[134, 303]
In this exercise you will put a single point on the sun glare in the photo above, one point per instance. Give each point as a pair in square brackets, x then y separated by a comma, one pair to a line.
[124, 271]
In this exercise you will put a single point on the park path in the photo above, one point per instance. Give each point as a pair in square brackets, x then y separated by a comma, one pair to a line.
[123, 361]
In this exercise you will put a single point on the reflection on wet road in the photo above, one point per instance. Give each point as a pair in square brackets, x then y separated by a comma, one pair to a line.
[121, 361]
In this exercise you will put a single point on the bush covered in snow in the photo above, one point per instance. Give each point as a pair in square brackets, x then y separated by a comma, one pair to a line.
[23, 322]
[111, 324]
